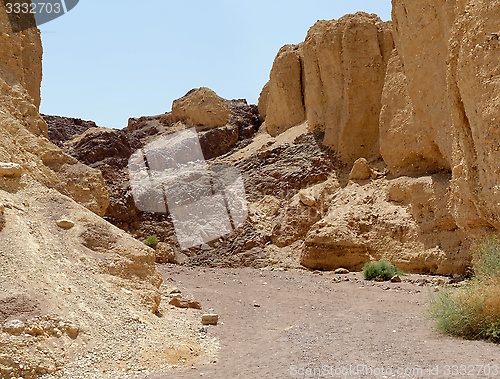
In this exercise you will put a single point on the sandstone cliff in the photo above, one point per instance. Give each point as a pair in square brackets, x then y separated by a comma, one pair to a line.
[448, 69]
[334, 80]
[72, 285]
[429, 108]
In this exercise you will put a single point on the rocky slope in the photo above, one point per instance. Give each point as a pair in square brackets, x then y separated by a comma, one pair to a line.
[380, 141]
[79, 296]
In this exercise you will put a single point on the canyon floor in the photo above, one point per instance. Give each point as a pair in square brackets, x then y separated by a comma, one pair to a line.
[277, 323]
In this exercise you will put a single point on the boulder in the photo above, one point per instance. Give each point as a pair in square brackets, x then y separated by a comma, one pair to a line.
[361, 170]
[203, 108]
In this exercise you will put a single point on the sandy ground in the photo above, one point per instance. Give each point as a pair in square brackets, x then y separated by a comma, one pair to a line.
[297, 324]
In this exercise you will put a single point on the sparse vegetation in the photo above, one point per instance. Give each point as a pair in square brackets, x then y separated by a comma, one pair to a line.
[151, 241]
[380, 271]
[473, 310]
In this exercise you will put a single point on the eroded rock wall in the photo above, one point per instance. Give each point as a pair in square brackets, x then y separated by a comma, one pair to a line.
[72, 285]
[23, 132]
[423, 95]
[334, 80]
[448, 72]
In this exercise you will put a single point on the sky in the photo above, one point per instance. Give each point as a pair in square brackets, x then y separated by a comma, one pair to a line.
[108, 60]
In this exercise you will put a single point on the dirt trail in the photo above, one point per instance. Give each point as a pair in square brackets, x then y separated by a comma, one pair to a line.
[276, 324]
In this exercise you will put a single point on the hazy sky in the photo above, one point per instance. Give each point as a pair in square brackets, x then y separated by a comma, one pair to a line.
[108, 60]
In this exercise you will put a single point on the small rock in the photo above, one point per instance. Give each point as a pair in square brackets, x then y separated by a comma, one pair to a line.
[14, 327]
[65, 224]
[210, 319]
[250, 244]
[341, 271]
[456, 278]
[360, 170]
[2, 208]
[256, 305]
[184, 303]
[165, 253]
[72, 330]
[307, 199]
[439, 281]
[396, 279]
[10, 170]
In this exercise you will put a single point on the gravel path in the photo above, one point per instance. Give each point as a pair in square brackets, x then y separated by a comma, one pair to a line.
[296, 324]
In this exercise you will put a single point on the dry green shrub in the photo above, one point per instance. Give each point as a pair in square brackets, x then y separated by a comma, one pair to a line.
[473, 310]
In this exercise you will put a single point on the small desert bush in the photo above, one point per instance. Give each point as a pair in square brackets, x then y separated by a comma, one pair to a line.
[380, 271]
[151, 241]
[473, 310]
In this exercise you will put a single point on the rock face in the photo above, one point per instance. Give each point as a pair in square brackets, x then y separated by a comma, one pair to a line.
[203, 108]
[62, 129]
[405, 145]
[60, 286]
[451, 101]
[424, 79]
[424, 115]
[23, 131]
[334, 80]
[283, 98]
[405, 221]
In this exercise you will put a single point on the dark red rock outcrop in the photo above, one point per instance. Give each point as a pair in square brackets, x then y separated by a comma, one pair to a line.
[62, 129]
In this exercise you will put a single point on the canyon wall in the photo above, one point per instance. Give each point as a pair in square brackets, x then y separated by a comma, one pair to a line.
[71, 283]
[419, 100]
[448, 67]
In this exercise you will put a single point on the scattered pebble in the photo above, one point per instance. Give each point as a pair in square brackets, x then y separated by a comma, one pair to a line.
[396, 279]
